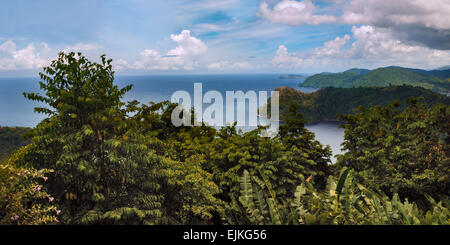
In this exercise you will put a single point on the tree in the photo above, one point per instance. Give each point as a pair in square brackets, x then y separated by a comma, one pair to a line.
[105, 170]
[304, 151]
[400, 151]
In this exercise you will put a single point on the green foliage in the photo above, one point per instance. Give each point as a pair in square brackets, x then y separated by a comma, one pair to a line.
[322, 80]
[345, 203]
[106, 171]
[126, 163]
[304, 151]
[400, 151]
[323, 105]
[226, 153]
[84, 141]
[259, 201]
[23, 201]
[11, 138]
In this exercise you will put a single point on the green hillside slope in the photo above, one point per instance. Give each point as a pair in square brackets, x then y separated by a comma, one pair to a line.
[438, 81]
[11, 139]
[323, 105]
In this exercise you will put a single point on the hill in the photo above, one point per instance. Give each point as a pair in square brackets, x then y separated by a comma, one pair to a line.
[358, 71]
[324, 104]
[443, 68]
[11, 139]
[436, 80]
[325, 79]
[293, 76]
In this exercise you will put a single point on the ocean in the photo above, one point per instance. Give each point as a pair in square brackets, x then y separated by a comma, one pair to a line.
[16, 110]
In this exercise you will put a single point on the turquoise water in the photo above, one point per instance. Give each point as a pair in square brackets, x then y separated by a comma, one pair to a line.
[15, 110]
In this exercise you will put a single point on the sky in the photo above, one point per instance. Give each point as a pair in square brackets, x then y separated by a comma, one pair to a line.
[226, 36]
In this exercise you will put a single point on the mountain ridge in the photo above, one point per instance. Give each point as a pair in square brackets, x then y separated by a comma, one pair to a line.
[435, 80]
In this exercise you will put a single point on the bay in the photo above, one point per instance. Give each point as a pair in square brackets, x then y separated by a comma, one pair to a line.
[15, 110]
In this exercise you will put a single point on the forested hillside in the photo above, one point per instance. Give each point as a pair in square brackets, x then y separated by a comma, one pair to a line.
[11, 139]
[324, 104]
[436, 80]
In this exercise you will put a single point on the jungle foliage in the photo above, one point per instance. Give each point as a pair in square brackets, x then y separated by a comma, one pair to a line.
[12, 138]
[400, 151]
[98, 160]
[325, 104]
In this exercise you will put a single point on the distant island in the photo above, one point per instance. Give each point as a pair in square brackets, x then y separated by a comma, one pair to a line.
[324, 104]
[436, 80]
[293, 76]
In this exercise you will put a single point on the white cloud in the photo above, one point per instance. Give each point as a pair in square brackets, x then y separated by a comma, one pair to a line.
[188, 45]
[226, 65]
[294, 13]
[208, 27]
[217, 27]
[8, 46]
[430, 13]
[332, 47]
[181, 57]
[380, 45]
[153, 60]
[211, 5]
[371, 47]
[120, 64]
[79, 47]
[27, 58]
[421, 21]
[433, 14]
[284, 59]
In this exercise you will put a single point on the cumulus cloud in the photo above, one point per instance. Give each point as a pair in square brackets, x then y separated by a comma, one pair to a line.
[181, 57]
[432, 14]
[371, 47]
[27, 58]
[332, 47]
[120, 64]
[284, 59]
[423, 22]
[294, 13]
[187, 45]
[379, 44]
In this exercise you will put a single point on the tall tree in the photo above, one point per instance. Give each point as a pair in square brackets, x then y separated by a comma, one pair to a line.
[105, 171]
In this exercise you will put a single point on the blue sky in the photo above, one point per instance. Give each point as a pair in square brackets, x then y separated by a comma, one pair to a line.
[227, 36]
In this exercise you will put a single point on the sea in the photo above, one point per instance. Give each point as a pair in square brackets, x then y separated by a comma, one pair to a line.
[16, 110]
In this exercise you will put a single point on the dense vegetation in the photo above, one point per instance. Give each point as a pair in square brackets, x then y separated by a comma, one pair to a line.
[400, 151]
[325, 104]
[98, 160]
[11, 138]
[436, 80]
